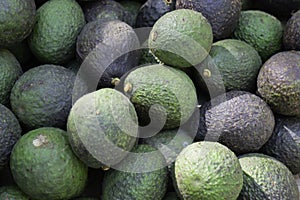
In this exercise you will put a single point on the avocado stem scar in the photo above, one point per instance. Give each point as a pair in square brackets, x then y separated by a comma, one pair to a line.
[128, 87]
[206, 73]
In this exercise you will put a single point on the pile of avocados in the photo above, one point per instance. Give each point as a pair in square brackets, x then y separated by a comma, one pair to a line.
[149, 100]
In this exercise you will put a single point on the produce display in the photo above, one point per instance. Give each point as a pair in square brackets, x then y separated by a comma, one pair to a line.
[149, 100]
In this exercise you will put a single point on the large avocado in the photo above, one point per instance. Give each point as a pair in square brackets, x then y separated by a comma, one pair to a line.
[240, 120]
[266, 178]
[208, 171]
[141, 175]
[278, 83]
[223, 15]
[108, 52]
[12, 193]
[17, 18]
[291, 36]
[102, 128]
[162, 94]
[44, 166]
[284, 144]
[10, 132]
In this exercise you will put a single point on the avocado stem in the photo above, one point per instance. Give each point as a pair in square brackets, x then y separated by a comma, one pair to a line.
[128, 87]
[115, 81]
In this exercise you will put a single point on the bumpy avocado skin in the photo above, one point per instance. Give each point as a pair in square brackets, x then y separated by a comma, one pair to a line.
[43, 165]
[278, 83]
[17, 18]
[102, 128]
[57, 26]
[266, 178]
[10, 71]
[223, 15]
[240, 120]
[12, 193]
[165, 86]
[134, 184]
[291, 36]
[284, 144]
[9, 134]
[208, 171]
[42, 96]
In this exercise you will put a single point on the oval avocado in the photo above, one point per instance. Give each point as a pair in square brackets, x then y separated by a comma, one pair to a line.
[291, 36]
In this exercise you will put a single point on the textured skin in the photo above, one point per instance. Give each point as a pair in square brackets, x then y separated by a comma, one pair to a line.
[102, 127]
[152, 10]
[49, 170]
[208, 171]
[261, 30]
[265, 178]
[161, 85]
[278, 83]
[241, 121]
[12, 193]
[181, 38]
[291, 36]
[130, 185]
[17, 18]
[54, 34]
[107, 50]
[223, 15]
[235, 63]
[283, 145]
[42, 96]
[10, 132]
[9, 73]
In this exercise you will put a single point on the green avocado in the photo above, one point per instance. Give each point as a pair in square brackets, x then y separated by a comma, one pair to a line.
[12, 193]
[291, 36]
[44, 166]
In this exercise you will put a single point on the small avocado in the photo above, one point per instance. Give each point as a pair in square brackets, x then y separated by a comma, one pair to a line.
[278, 83]
[291, 36]
[266, 178]
[12, 193]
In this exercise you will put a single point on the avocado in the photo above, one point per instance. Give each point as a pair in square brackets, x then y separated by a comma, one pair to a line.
[10, 71]
[12, 193]
[240, 120]
[42, 96]
[152, 10]
[102, 127]
[57, 26]
[232, 64]
[17, 20]
[181, 38]
[141, 175]
[266, 178]
[261, 30]
[108, 50]
[278, 83]
[162, 94]
[10, 132]
[291, 36]
[222, 15]
[284, 144]
[208, 170]
[43, 165]
[132, 7]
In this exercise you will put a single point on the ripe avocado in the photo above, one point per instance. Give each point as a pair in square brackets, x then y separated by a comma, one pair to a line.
[152, 10]
[208, 170]
[278, 83]
[181, 38]
[10, 132]
[222, 15]
[232, 64]
[102, 128]
[43, 165]
[284, 144]
[17, 18]
[54, 34]
[107, 50]
[10, 71]
[266, 178]
[240, 120]
[132, 182]
[261, 30]
[42, 96]
[12, 193]
[164, 94]
[291, 36]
